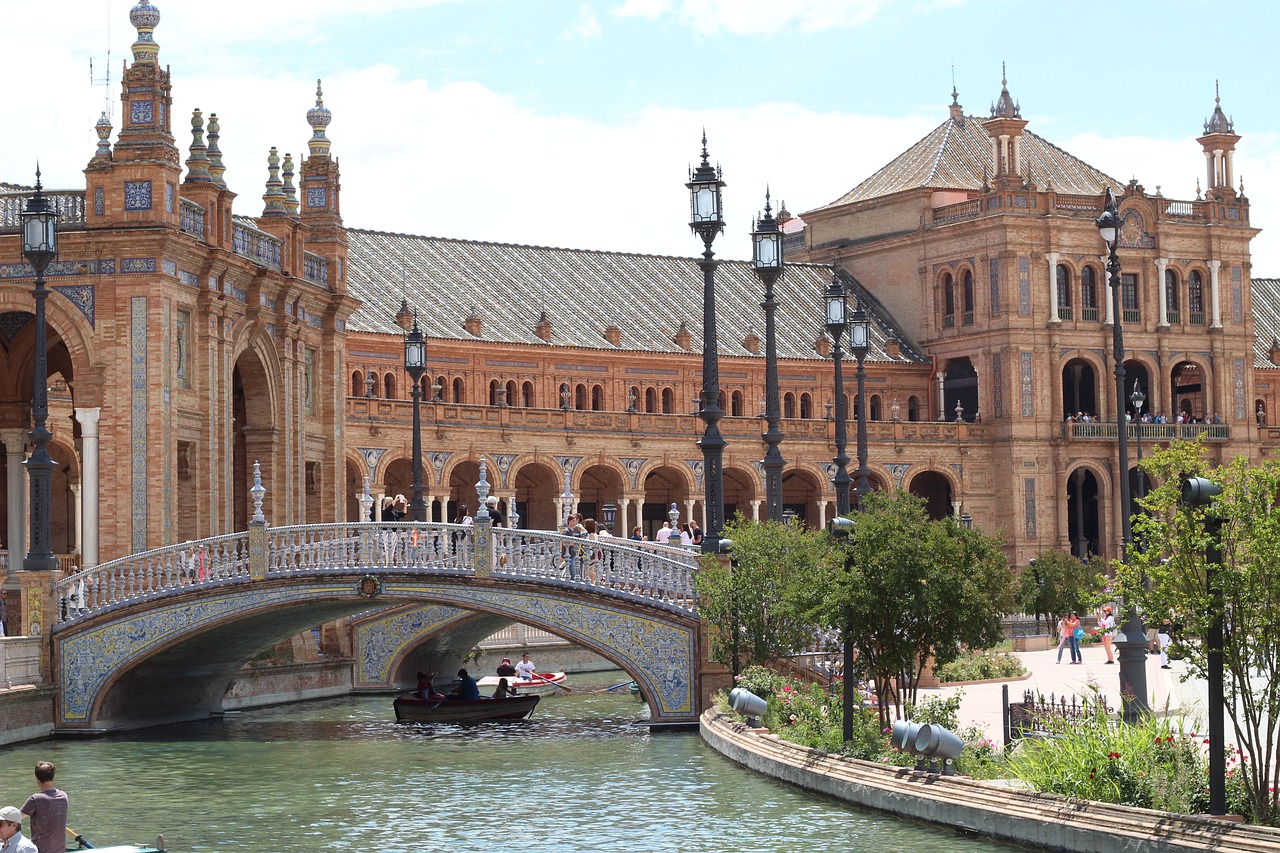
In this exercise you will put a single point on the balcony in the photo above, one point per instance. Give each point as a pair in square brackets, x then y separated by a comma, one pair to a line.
[1098, 431]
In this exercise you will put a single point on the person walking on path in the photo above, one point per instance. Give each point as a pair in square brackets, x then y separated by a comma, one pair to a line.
[1107, 630]
[1073, 625]
[1164, 636]
[47, 809]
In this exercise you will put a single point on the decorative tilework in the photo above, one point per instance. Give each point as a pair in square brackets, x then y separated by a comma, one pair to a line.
[81, 296]
[107, 267]
[99, 201]
[169, 267]
[633, 465]
[371, 457]
[898, 470]
[380, 643]
[188, 278]
[340, 325]
[1237, 295]
[138, 418]
[168, 198]
[238, 293]
[698, 467]
[1028, 385]
[994, 277]
[1133, 234]
[12, 322]
[135, 265]
[271, 330]
[1029, 486]
[137, 195]
[438, 458]
[1237, 387]
[997, 382]
[141, 111]
[1024, 287]
[213, 282]
[313, 320]
[567, 463]
[317, 197]
[502, 461]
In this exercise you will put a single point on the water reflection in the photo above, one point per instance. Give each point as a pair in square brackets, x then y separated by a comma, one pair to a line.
[583, 774]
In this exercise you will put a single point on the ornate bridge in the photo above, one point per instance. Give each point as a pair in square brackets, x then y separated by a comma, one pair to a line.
[158, 636]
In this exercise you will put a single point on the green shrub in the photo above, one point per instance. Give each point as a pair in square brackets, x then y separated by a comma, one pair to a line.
[977, 666]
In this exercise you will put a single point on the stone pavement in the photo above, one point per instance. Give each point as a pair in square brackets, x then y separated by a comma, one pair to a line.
[982, 704]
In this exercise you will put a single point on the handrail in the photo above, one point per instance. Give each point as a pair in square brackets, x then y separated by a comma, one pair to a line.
[256, 245]
[1098, 430]
[68, 204]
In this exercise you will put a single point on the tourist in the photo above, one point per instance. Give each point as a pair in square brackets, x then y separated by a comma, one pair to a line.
[504, 690]
[426, 690]
[1164, 636]
[686, 536]
[495, 515]
[525, 670]
[47, 810]
[574, 553]
[637, 534]
[11, 833]
[663, 536]
[1064, 638]
[695, 533]
[467, 687]
[4, 612]
[505, 669]
[1072, 623]
[1107, 630]
[464, 516]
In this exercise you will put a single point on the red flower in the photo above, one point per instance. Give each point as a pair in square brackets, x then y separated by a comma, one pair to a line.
[1113, 755]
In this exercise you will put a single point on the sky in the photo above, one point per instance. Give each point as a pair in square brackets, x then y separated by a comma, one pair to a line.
[573, 123]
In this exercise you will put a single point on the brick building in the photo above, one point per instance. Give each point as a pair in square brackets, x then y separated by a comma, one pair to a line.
[186, 342]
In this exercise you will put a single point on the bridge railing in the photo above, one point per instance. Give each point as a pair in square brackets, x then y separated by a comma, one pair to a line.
[659, 574]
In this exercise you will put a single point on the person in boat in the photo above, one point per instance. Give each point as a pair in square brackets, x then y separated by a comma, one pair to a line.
[504, 691]
[467, 687]
[426, 690]
[11, 839]
[505, 669]
[525, 670]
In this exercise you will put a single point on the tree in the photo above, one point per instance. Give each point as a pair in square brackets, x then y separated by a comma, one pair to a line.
[1057, 583]
[911, 590]
[1174, 580]
[750, 602]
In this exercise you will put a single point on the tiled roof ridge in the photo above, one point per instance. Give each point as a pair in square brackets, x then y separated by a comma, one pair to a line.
[937, 154]
[1066, 153]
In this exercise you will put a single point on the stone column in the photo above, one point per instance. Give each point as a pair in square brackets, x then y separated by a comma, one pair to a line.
[942, 397]
[1052, 259]
[77, 494]
[688, 512]
[755, 510]
[1162, 291]
[1106, 292]
[822, 514]
[15, 442]
[89, 482]
[624, 524]
[1215, 303]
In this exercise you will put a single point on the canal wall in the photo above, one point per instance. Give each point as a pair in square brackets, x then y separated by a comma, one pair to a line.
[276, 684]
[26, 713]
[1043, 821]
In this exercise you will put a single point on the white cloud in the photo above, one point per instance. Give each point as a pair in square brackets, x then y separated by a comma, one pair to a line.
[764, 17]
[586, 27]
[643, 9]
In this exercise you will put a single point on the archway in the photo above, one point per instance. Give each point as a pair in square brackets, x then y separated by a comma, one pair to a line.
[254, 436]
[1187, 391]
[961, 386]
[739, 492]
[801, 490]
[935, 489]
[1084, 521]
[1079, 388]
[600, 485]
[538, 488]
[663, 486]
[355, 472]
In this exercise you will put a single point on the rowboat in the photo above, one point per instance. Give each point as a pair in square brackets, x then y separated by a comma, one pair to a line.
[410, 709]
[541, 683]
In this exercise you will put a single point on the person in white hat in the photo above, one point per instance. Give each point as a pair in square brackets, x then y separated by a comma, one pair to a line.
[11, 840]
[491, 503]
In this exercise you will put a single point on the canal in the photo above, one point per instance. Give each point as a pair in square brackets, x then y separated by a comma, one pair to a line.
[584, 774]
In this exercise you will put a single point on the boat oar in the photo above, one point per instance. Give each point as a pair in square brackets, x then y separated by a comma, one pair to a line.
[613, 688]
[541, 679]
[79, 839]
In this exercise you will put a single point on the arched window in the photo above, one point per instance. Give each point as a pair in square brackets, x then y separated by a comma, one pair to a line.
[735, 404]
[1064, 292]
[389, 386]
[441, 391]
[968, 297]
[668, 401]
[357, 384]
[566, 396]
[424, 388]
[597, 398]
[526, 395]
[1195, 297]
[580, 398]
[913, 408]
[1172, 314]
[875, 414]
[494, 385]
[512, 399]
[948, 301]
[633, 399]
[651, 400]
[371, 384]
[1088, 294]
[459, 391]
[789, 405]
[806, 406]
[1260, 412]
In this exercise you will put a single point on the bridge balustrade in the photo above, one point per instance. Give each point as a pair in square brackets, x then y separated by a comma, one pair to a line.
[658, 574]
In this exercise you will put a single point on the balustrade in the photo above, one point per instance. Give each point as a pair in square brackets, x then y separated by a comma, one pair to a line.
[191, 218]
[1099, 431]
[257, 246]
[68, 204]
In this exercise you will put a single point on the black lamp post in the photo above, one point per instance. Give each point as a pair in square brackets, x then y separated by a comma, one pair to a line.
[1132, 641]
[415, 364]
[1138, 399]
[609, 515]
[40, 247]
[706, 221]
[837, 319]
[860, 345]
[842, 528]
[766, 243]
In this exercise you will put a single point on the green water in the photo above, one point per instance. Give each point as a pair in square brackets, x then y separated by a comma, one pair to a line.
[583, 774]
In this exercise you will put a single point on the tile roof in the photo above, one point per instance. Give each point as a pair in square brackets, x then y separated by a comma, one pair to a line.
[1266, 319]
[957, 155]
[583, 292]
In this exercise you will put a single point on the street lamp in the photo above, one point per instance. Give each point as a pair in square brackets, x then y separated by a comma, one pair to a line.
[860, 345]
[1132, 641]
[415, 364]
[837, 319]
[706, 221]
[766, 243]
[1138, 399]
[609, 515]
[40, 247]
[842, 528]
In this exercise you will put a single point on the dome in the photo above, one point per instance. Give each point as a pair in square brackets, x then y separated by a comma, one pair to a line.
[144, 15]
[319, 115]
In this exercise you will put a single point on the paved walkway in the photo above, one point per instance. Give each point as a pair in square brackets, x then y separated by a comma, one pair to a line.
[982, 704]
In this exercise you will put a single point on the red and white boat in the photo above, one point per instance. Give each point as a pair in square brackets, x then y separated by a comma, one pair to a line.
[541, 683]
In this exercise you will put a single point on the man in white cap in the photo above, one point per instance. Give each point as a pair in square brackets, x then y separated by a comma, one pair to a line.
[491, 503]
[11, 840]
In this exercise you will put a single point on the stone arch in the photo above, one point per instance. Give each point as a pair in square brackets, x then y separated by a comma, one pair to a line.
[804, 484]
[742, 485]
[69, 324]
[354, 470]
[600, 481]
[937, 488]
[537, 482]
[1188, 387]
[255, 407]
[1087, 487]
[1081, 386]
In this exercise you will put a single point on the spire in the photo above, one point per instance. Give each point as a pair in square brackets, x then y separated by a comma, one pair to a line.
[1218, 122]
[216, 169]
[290, 192]
[319, 117]
[274, 196]
[145, 16]
[1005, 107]
[198, 162]
[103, 129]
[957, 111]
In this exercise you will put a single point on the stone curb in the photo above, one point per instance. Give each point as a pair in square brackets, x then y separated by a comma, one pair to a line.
[1044, 821]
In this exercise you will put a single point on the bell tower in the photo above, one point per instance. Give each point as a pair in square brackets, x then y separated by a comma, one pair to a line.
[1219, 144]
[1005, 129]
[321, 189]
